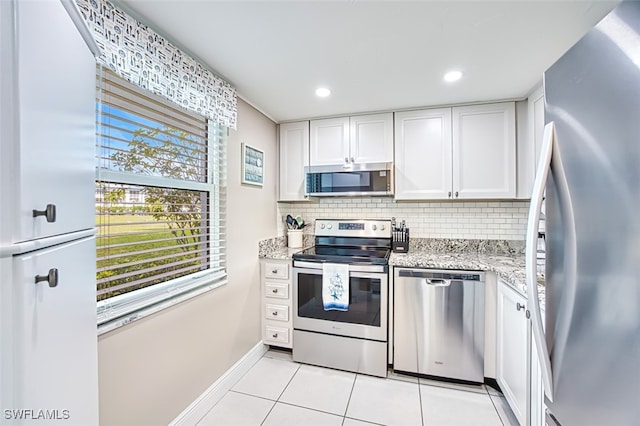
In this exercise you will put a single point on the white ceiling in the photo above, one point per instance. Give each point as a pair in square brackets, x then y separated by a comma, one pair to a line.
[373, 55]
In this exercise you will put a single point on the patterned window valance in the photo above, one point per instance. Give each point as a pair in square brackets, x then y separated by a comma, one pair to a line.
[142, 56]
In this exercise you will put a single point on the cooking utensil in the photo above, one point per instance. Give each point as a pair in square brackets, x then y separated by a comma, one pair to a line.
[291, 222]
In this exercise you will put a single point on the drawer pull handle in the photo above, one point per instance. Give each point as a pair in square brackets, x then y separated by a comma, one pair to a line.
[275, 290]
[275, 271]
[51, 278]
[275, 336]
[274, 313]
[519, 306]
[49, 212]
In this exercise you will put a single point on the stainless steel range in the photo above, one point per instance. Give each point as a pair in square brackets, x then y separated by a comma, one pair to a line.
[352, 337]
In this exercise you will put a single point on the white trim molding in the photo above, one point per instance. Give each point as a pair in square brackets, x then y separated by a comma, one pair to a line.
[210, 397]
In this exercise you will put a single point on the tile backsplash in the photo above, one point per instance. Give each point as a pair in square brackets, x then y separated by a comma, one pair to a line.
[498, 220]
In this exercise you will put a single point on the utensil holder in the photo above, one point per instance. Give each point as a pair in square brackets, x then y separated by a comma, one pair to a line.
[294, 238]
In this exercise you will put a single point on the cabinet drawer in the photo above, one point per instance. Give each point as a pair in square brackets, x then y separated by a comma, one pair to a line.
[276, 270]
[277, 290]
[277, 312]
[276, 335]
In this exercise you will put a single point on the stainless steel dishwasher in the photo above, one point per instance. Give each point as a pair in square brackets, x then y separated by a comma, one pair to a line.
[439, 323]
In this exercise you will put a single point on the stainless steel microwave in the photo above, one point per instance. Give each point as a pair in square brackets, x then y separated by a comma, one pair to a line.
[349, 180]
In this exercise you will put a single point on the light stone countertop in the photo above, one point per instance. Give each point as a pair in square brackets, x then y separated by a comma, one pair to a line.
[276, 248]
[511, 268]
[508, 263]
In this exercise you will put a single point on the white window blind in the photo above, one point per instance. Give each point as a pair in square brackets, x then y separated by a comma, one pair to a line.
[160, 200]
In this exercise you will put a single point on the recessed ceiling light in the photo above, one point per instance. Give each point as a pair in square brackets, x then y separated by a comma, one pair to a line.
[452, 76]
[323, 92]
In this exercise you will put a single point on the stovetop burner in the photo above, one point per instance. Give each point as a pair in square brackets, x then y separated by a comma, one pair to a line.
[356, 242]
[351, 255]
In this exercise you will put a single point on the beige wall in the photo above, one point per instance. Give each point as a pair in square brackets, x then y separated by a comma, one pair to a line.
[151, 370]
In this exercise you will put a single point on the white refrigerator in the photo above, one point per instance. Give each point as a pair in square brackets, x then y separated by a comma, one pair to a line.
[48, 340]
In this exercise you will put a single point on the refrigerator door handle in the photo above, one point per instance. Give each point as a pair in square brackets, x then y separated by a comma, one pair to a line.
[550, 160]
[537, 197]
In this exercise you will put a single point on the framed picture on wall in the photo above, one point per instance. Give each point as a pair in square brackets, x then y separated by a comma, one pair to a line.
[252, 165]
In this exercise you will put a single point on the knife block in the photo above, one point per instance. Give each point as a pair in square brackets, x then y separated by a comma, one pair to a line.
[400, 240]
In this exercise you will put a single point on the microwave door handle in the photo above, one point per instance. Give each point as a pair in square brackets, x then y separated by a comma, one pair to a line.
[531, 258]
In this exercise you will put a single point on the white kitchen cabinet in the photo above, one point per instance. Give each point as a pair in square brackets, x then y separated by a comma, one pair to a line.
[513, 348]
[348, 140]
[371, 138]
[329, 141]
[456, 153]
[54, 342]
[48, 343]
[277, 323]
[294, 156]
[517, 370]
[530, 142]
[537, 390]
[536, 120]
[423, 154]
[52, 106]
[484, 151]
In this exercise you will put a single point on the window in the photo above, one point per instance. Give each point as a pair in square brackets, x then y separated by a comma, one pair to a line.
[160, 201]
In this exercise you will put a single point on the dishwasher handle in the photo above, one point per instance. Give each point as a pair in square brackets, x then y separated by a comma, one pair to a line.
[437, 282]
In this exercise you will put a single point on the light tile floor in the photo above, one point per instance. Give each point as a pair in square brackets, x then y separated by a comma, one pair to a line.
[277, 391]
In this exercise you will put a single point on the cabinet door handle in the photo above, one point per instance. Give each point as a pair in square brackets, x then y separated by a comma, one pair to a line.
[51, 278]
[346, 160]
[456, 194]
[519, 306]
[49, 213]
[449, 194]
[352, 160]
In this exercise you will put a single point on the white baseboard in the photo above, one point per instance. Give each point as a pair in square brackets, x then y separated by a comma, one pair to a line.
[210, 397]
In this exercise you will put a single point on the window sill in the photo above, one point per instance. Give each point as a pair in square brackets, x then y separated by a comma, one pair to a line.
[110, 319]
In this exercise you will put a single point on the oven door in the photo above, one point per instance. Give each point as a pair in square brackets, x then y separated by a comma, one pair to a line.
[366, 317]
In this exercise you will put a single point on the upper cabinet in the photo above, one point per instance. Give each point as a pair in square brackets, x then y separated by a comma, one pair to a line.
[464, 152]
[329, 143]
[371, 138]
[529, 141]
[348, 140]
[294, 156]
[423, 154]
[48, 152]
[484, 151]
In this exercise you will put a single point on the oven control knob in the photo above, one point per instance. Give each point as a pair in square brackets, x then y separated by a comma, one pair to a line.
[374, 227]
[329, 226]
[322, 226]
[382, 227]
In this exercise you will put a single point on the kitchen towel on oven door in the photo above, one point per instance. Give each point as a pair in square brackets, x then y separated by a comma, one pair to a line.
[335, 286]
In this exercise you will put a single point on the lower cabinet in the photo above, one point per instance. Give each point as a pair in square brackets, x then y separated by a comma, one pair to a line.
[517, 370]
[49, 349]
[277, 325]
[512, 357]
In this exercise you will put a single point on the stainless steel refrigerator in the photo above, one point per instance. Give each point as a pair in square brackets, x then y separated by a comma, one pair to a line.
[590, 167]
